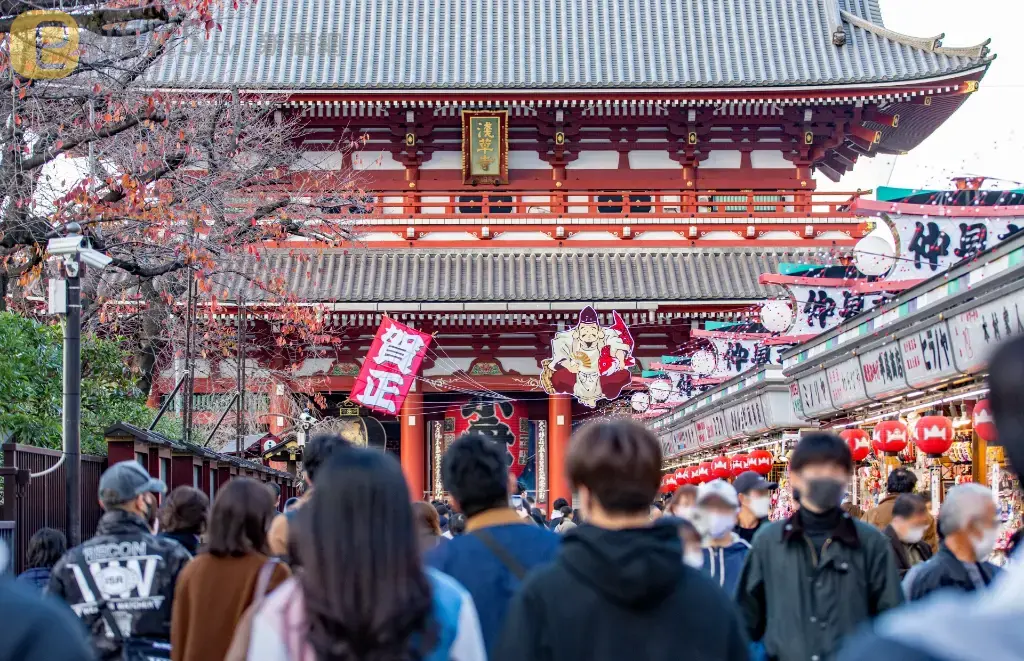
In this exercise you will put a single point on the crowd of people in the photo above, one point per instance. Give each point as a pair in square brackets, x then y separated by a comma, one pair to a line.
[357, 570]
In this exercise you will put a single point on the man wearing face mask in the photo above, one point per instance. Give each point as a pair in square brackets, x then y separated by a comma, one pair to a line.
[814, 578]
[970, 526]
[121, 582]
[755, 497]
[910, 520]
[724, 550]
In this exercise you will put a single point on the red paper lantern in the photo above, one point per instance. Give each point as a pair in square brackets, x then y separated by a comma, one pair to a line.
[506, 422]
[983, 422]
[687, 475]
[703, 472]
[859, 442]
[933, 434]
[721, 468]
[889, 437]
[680, 477]
[739, 464]
[760, 461]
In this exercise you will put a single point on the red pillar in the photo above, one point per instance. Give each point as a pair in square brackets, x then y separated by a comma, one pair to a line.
[279, 408]
[412, 450]
[560, 427]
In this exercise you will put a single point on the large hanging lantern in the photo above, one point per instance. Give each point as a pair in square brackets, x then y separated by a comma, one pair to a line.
[739, 463]
[721, 468]
[760, 461]
[670, 482]
[505, 422]
[687, 476]
[933, 435]
[889, 437]
[703, 472]
[873, 255]
[859, 442]
[776, 315]
[680, 477]
[983, 422]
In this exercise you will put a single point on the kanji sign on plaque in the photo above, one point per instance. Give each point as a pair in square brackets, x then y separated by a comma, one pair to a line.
[485, 146]
[390, 367]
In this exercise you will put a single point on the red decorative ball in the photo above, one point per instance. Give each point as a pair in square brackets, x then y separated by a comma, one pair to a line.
[760, 461]
[934, 434]
[984, 423]
[739, 464]
[859, 442]
[721, 468]
[889, 437]
[703, 472]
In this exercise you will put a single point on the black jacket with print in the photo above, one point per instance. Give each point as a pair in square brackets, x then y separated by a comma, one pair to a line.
[134, 573]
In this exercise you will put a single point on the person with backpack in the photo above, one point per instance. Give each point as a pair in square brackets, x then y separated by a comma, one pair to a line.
[45, 548]
[499, 546]
[121, 583]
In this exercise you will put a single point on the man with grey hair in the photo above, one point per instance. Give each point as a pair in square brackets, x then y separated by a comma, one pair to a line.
[970, 525]
[121, 582]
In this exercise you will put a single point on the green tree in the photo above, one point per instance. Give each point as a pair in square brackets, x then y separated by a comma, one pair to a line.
[31, 386]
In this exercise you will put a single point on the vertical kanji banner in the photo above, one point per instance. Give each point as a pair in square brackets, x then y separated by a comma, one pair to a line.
[390, 367]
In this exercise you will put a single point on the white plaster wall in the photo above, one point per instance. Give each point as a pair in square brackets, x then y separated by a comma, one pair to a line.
[318, 160]
[727, 159]
[523, 236]
[768, 159]
[444, 160]
[651, 160]
[595, 160]
[721, 236]
[526, 160]
[375, 160]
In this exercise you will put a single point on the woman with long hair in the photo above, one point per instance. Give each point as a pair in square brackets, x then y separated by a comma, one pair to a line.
[364, 594]
[184, 516]
[215, 589]
[45, 548]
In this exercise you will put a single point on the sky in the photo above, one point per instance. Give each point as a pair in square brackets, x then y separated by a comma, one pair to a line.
[983, 137]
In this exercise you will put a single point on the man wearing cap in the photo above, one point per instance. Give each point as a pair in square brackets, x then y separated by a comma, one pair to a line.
[755, 503]
[121, 582]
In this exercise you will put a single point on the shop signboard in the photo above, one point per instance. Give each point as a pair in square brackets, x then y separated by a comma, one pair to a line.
[927, 355]
[747, 418]
[687, 439]
[814, 394]
[977, 332]
[846, 384]
[930, 244]
[780, 412]
[882, 369]
[798, 402]
[667, 445]
[719, 429]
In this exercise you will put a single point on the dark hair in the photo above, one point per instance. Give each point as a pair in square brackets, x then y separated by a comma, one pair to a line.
[240, 519]
[474, 472]
[289, 503]
[1006, 394]
[565, 510]
[457, 524]
[367, 596]
[619, 461]
[901, 481]
[426, 517]
[685, 490]
[658, 506]
[908, 505]
[319, 448]
[821, 448]
[185, 510]
[560, 503]
[45, 548]
[275, 489]
[1014, 542]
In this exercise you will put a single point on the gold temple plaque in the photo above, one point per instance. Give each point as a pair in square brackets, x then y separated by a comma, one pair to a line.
[485, 147]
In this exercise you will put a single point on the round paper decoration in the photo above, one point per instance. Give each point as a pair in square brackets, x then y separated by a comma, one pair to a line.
[680, 478]
[776, 315]
[721, 468]
[660, 390]
[640, 401]
[934, 434]
[703, 362]
[687, 475]
[703, 472]
[760, 461]
[889, 437]
[984, 424]
[859, 442]
[739, 464]
[873, 255]
[506, 423]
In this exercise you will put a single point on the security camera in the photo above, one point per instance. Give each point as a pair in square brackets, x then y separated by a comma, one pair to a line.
[66, 245]
[94, 258]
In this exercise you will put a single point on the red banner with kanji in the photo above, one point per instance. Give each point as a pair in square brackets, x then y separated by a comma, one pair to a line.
[390, 367]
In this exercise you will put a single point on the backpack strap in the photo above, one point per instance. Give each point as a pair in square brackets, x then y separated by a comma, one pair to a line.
[501, 553]
[263, 580]
[101, 601]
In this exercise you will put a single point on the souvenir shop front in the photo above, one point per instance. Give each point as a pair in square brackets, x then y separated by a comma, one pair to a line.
[905, 383]
[746, 423]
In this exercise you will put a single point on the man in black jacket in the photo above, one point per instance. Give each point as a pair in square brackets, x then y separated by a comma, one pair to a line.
[121, 582]
[618, 588]
[910, 521]
[814, 578]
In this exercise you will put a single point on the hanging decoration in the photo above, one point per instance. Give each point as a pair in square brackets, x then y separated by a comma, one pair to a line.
[703, 362]
[934, 434]
[390, 367]
[859, 442]
[874, 256]
[669, 483]
[889, 437]
[640, 401]
[505, 422]
[680, 477]
[703, 472]
[984, 424]
[687, 475]
[776, 315]
[739, 464]
[760, 461]
[660, 390]
[590, 362]
[721, 468]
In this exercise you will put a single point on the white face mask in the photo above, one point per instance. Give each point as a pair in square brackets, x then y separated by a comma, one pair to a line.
[913, 535]
[718, 525]
[761, 507]
[983, 547]
[684, 513]
[694, 559]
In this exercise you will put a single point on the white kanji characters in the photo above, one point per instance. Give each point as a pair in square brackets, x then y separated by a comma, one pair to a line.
[379, 386]
[399, 348]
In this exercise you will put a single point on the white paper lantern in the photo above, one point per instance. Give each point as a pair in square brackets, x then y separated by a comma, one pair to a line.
[660, 390]
[640, 401]
[776, 315]
[873, 255]
[703, 362]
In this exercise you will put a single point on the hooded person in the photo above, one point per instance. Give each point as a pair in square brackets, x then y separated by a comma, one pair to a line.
[724, 551]
[619, 586]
